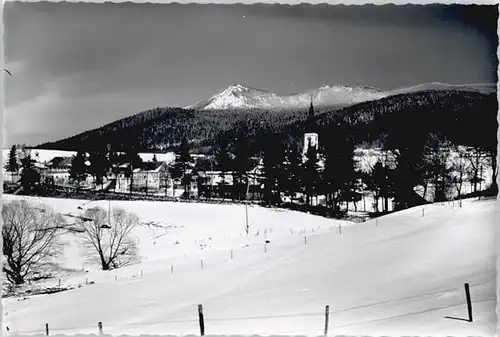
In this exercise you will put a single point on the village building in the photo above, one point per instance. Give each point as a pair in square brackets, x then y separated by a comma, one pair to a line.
[219, 184]
[152, 177]
[58, 170]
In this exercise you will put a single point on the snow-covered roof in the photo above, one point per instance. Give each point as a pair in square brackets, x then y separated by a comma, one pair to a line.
[60, 162]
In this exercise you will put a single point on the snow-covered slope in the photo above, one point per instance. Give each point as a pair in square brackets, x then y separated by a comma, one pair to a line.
[400, 274]
[238, 96]
[242, 97]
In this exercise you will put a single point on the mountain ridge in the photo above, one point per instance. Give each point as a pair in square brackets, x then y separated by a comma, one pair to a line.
[238, 96]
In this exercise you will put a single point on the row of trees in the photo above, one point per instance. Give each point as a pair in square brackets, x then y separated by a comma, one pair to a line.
[331, 170]
[31, 234]
[101, 162]
[326, 171]
[283, 169]
[442, 166]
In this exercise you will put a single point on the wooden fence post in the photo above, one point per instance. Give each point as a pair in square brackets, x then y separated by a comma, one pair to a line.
[265, 248]
[201, 264]
[201, 319]
[327, 314]
[231, 254]
[172, 269]
[99, 326]
[423, 212]
[142, 273]
[86, 280]
[376, 222]
[469, 302]
[46, 329]
[305, 240]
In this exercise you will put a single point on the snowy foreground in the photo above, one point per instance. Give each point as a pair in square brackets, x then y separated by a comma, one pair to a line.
[398, 275]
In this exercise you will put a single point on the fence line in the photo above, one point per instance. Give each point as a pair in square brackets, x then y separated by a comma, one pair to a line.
[411, 313]
[201, 321]
[230, 319]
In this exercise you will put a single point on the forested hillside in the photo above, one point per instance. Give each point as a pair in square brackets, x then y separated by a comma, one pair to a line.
[162, 129]
[464, 117]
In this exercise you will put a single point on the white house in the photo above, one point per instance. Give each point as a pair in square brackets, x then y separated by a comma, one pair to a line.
[58, 169]
[153, 176]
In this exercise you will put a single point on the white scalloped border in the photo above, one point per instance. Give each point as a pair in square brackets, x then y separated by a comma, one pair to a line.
[249, 2]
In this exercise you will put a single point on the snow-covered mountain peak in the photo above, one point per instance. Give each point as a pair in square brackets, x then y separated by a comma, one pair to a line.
[236, 88]
[238, 96]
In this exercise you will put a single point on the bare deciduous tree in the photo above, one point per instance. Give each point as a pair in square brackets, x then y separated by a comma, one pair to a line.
[460, 168]
[109, 237]
[29, 239]
[437, 152]
[476, 160]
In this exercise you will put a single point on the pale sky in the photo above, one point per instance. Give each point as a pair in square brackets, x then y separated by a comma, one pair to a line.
[78, 66]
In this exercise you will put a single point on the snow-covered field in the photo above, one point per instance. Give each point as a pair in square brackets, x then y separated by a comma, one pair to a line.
[399, 274]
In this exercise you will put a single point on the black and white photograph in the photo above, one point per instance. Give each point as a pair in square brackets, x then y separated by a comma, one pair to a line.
[249, 169]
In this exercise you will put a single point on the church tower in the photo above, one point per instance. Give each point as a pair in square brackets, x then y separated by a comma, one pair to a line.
[310, 136]
[311, 109]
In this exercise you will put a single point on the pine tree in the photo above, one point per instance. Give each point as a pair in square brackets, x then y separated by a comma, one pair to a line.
[291, 177]
[241, 164]
[339, 178]
[349, 175]
[12, 164]
[78, 170]
[183, 166]
[381, 180]
[437, 167]
[223, 161]
[201, 167]
[407, 142]
[273, 166]
[134, 161]
[133, 158]
[330, 178]
[30, 177]
[114, 161]
[99, 165]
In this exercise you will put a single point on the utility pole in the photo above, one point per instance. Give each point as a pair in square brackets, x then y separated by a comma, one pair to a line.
[211, 189]
[246, 206]
[109, 212]
[166, 187]
[480, 178]
[131, 177]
